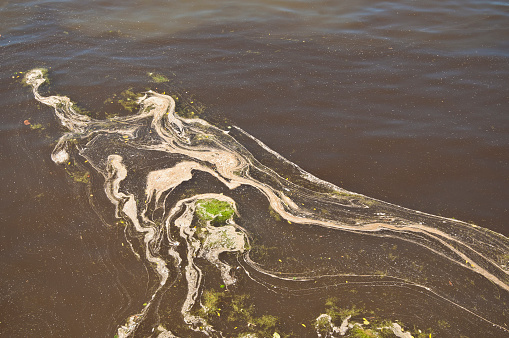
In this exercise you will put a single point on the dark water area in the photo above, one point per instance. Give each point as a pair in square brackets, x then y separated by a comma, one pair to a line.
[403, 101]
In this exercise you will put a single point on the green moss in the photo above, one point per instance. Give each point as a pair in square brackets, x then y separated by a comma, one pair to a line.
[213, 210]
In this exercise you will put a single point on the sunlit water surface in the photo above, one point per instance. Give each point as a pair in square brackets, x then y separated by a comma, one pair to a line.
[404, 102]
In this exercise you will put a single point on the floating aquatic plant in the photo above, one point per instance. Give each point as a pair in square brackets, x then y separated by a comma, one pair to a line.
[214, 210]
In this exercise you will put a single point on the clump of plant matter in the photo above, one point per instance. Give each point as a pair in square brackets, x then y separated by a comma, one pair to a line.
[215, 211]
[158, 78]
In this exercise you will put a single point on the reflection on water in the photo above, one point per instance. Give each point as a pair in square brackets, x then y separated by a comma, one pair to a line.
[235, 247]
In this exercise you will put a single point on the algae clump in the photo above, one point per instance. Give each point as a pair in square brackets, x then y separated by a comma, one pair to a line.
[158, 78]
[215, 211]
[239, 312]
[129, 99]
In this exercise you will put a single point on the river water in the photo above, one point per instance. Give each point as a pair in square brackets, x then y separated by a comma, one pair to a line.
[401, 101]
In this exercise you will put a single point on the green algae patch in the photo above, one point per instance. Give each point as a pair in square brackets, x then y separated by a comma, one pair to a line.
[80, 110]
[187, 107]
[338, 314]
[360, 332]
[213, 210]
[236, 310]
[359, 323]
[158, 78]
[129, 100]
[36, 126]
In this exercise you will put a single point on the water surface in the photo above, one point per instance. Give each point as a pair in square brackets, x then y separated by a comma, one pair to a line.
[400, 101]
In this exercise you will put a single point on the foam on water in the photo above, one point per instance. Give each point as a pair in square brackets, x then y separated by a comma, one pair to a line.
[177, 245]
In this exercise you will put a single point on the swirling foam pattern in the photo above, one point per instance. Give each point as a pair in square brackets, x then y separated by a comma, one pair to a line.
[287, 237]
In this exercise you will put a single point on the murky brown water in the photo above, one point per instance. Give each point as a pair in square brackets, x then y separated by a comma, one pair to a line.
[404, 102]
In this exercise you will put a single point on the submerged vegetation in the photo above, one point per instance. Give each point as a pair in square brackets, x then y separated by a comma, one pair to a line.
[358, 323]
[129, 99]
[80, 110]
[77, 174]
[274, 214]
[237, 313]
[338, 314]
[187, 108]
[80, 177]
[235, 310]
[36, 126]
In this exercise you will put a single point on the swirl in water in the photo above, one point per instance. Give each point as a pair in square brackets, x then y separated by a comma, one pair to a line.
[148, 158]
